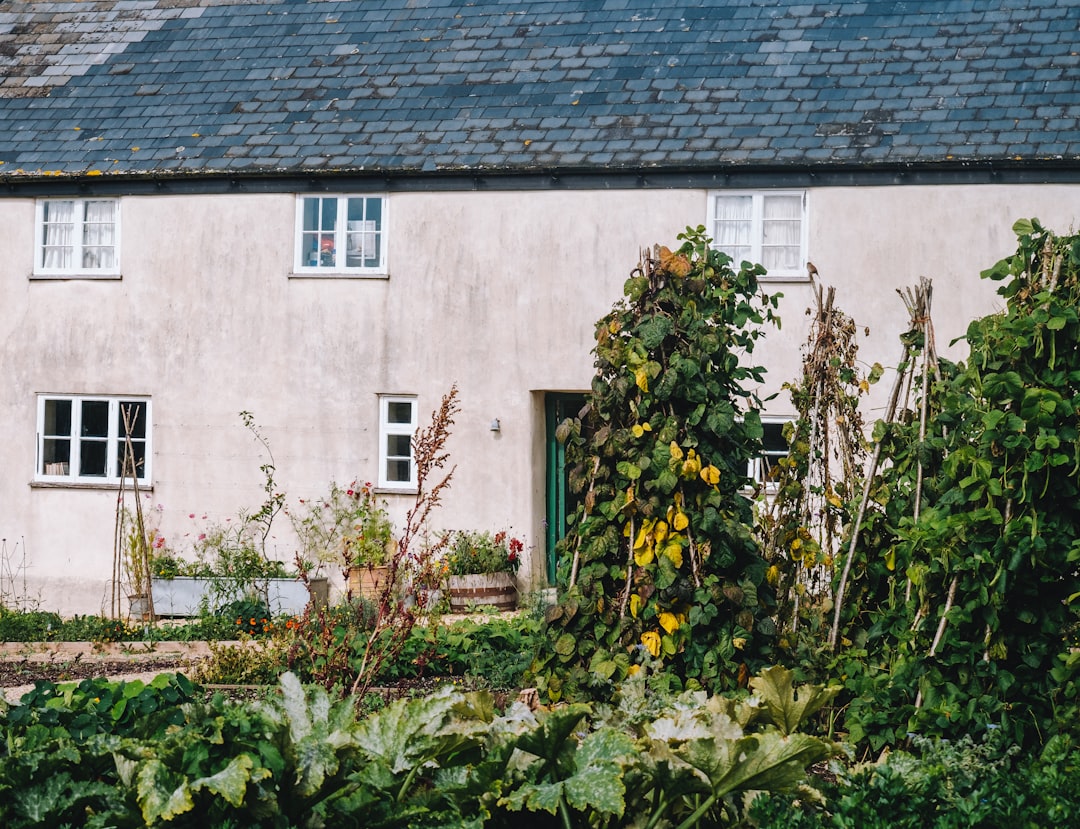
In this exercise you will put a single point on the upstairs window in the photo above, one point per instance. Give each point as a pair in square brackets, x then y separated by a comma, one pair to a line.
[340, 235]
[397, 424]
[77, 237]
[84, 439]
[767, 228]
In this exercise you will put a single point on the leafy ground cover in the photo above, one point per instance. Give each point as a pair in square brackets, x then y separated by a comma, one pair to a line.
[132, 754]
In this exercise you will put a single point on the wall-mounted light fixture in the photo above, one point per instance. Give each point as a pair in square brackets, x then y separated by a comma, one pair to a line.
[496, 426]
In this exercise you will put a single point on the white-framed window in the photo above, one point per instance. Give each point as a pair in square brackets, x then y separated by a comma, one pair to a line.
[77, 237]
[340, 235]
[83, 439]
[397, 424]
[765, 227]
[774, 446]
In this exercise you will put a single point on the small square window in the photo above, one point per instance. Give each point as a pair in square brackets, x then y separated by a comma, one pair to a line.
[397, 424]
[340, 235]
[767, 228]
[77, 237]
[86, 439]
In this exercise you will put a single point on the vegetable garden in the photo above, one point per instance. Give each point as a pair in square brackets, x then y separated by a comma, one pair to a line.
[883, 633]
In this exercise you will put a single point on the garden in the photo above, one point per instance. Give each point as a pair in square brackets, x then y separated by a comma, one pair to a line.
[879, 630]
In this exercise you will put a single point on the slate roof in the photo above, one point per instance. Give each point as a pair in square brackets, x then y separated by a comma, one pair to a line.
[183, 87]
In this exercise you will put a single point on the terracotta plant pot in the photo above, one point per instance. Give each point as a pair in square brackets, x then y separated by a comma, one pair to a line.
[484, 591]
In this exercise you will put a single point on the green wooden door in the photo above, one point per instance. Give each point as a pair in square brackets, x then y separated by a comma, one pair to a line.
[560, 501]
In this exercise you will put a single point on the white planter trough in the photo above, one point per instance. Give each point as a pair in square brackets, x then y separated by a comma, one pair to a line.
[186, 596]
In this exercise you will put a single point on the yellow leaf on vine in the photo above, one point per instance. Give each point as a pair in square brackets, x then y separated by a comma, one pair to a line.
[680, 522]
[651, 640]
[890, 560]
[674, 552]
[772, 575]
[635, 605]
[676, 451]
[644, 557]
[659, 531]
[668, 622]
[641, 376]
[710, 475]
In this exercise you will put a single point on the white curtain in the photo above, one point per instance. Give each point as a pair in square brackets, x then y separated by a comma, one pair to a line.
[99, 242]
[58, 219]
[733, 233]
[781, 232]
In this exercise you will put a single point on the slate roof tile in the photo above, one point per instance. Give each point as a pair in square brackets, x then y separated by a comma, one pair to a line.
[717, 85]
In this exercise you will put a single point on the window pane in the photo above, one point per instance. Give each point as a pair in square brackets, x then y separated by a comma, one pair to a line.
[57, 417]
[733, 233]
[138, 457]
[92, 456]
[136, 416]
[56, 458]
[399, 412]
[95, 418]
[398, 446]
[317, 235]
[773, 439]
[363, 232]
[397, 471]
[98, 236]
[781, 232]
[58, 234]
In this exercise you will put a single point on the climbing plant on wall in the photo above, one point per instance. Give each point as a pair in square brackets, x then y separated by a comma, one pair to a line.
[659, 567]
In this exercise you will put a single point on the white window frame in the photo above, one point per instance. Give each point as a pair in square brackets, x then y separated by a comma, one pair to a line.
[71, 473]
[388, 430]
[334, 262]
[756, 468]
[757, 233]
[77, 243]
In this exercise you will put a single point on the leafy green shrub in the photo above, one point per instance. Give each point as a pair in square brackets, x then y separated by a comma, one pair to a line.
[250, 662]
[28, 625]
[944, 784]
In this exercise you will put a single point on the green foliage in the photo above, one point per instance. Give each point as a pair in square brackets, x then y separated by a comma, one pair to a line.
[446, 760]
[349, 527]
[967, 616]
[942, 785]
[29, 625]
[481, 552]
[659, 559]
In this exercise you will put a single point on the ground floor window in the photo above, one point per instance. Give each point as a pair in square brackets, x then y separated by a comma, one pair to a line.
[397, 424]
[774, 447]
[92, 439]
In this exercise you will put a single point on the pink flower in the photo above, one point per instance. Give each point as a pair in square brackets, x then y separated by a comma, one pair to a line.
[159, 542]
[350, 492]
[202, 536]
[191, 515]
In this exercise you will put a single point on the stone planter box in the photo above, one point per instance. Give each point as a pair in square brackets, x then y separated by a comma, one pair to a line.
[184, 595]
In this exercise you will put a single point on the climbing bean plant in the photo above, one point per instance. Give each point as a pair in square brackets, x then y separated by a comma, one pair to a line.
[660, 567]
[967, 609]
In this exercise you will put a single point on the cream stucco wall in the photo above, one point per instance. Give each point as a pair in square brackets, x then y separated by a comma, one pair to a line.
[494, 291]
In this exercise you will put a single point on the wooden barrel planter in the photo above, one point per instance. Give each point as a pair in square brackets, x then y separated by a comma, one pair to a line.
[482, 591]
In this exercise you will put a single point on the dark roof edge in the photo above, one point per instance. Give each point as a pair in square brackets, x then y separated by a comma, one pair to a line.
[1055, 171]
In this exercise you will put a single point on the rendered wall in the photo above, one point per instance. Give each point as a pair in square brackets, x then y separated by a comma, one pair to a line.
[496, 292]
